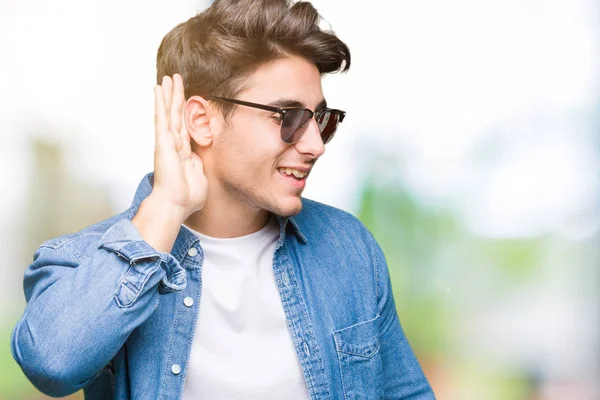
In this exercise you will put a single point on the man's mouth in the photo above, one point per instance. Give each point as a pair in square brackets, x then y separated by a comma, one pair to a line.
[293, 173]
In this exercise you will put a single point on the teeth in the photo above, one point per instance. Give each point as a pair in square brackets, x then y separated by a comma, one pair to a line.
[298, 174]
[291, 171]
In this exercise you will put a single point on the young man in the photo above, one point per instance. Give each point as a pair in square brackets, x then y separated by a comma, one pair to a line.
[221, 281]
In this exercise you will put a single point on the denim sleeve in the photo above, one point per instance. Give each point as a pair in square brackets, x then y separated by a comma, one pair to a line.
[403, 376]
[81, 309]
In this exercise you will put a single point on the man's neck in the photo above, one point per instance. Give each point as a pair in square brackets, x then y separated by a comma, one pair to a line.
[220, 219]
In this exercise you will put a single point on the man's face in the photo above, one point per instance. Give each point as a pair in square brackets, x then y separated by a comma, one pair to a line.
[249, 156]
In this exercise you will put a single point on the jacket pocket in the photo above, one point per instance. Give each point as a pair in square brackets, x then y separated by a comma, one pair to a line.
[360, 363]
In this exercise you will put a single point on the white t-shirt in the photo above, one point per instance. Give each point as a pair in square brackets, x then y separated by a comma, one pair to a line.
[242, 348]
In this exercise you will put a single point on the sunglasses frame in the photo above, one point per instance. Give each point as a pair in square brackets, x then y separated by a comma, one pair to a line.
[284, 111]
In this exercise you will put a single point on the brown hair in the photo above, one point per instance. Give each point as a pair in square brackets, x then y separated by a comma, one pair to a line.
[216, 50]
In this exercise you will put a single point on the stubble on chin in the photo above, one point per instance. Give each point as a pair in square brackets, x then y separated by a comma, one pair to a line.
[290, 211]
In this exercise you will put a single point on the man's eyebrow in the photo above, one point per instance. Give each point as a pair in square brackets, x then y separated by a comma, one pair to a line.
[321, 105]
[288, 103]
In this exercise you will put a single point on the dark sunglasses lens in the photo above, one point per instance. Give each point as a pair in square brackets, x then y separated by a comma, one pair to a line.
[294, 124]
[328, 122]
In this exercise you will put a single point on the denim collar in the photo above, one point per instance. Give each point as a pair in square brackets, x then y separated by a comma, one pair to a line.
[186, 239]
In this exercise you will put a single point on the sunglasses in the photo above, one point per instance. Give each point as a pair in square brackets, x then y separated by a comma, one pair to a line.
[294, 120]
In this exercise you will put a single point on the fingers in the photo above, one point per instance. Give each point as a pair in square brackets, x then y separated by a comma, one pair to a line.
[177, 103]
[167, 84]
[186, 148]
[160, 117]
[169, 112]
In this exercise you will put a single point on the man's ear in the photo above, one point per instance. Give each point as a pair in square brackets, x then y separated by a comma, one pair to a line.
[198, 114]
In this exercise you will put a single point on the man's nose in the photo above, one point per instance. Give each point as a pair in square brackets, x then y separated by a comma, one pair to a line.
[311, 141]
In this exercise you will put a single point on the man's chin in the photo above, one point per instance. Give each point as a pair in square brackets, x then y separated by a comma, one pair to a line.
[289, 208]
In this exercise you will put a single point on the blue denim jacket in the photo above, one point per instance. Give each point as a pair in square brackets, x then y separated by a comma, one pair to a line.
[105, 311]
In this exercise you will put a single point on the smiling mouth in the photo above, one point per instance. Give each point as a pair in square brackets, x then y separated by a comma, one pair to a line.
[293, 173]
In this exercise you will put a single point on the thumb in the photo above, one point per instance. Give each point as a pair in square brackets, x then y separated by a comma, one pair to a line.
[197, 162]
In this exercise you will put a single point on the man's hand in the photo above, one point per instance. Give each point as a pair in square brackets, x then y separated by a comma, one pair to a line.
[179, 178]
[180, 186]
